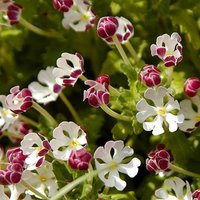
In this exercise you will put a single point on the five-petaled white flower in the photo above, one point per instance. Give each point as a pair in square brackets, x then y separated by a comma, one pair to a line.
[68, 136]
[35, 149]
[80, 16]
[163, 111]
[7, 117]
[70, 68]
[43, 180]
[168, 49]
[46, 89]
[111, 163]
[192, 117]
[177, 186]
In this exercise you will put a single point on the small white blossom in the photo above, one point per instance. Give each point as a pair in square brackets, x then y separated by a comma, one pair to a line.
[192, 117]
[43, 180]
[70, 68]
[80, 16]
[46, 89]
[160, 109]
[112, 163]
[35, 149]
[7, 117]
[68, 136]
[177, 186]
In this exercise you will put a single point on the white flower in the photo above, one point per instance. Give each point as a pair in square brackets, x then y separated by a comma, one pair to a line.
[177, 186]
[7, 117]
[70, 68]
[46, 89]
[68, 136]
[43, 180]
[35, 149]
[80, 16]
[161, 110]
[112, 162]
[169, 49]
[192, 117]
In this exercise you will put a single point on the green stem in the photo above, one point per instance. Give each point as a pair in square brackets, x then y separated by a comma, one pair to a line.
[131, 51]
[170, 71]
[74, 183]
[28, 120]
[43, 112]
[110, 112]
[52, 34]
[32, 189]
[71, 108]
[121, 50]
[114, 91]
[183, 171]
[15, 135]
[83, 78]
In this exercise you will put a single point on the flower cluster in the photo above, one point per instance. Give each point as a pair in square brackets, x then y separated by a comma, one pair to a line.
[56, 151]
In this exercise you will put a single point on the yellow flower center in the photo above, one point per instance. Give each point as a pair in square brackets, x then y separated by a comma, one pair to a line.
[73, 143]
[169, 53]
[197, 118]
[162, 111]
[43, 179]
[5, 111]
[113, 165]
[85, 17]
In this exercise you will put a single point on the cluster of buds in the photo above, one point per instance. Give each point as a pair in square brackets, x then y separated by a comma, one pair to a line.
[192, 86]
[78, 14]
[98, 93]
[13, 173]
[150, 75]
[19, 100]
[12, 10]
[80, 159]
[168, 49]
[159, 160]
[119, 26]
[196, 194]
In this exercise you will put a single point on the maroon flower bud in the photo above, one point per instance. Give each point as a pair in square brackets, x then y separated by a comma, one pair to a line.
[104, 79]
[196, 194]
[13, 13]
[192, 86]
[107, 27]
[19, 101]
[98, 93]
[150, 75]
[62, 5]
[80, 159]
[158, 160]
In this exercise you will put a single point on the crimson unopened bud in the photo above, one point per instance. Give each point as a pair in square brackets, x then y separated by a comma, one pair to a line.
[19, 100]
[98, 93]
[104, 79]
[158, 160]
[196, 195]
[192, 86]
[107, 26]
[150, 75]
[13, 13]
[80, 159]
[62, 5]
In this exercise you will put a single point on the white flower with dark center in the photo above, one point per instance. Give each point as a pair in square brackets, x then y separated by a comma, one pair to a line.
[160, 111]
[109, 160]
[35, 149]
[7, 117]
[68, 136]
[70, 68]
[177, 185]
[46, 89]
[192, 116]
[80, 16]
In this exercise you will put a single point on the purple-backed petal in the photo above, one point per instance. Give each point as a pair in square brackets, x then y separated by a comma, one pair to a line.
[40, 162]
[76, 73]
[93, 101]
[46, 144]
[161, 51]
[57, 88]
[43, 152]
